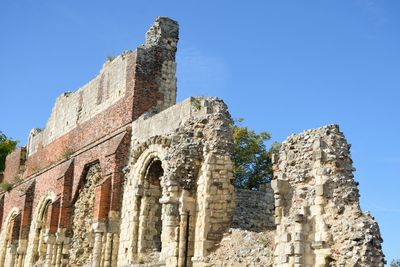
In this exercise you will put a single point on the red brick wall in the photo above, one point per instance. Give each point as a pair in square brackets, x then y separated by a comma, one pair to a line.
[105, 138]
[14, 162]
[12, 199]
[99, 126]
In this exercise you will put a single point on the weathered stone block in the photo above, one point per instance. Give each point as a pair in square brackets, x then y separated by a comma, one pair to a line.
[280, 186]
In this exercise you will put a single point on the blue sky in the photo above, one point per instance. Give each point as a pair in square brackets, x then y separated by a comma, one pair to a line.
[284, 66]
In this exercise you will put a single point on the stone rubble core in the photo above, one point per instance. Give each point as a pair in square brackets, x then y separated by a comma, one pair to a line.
[121, 175]
[317, 210]
[254, 209]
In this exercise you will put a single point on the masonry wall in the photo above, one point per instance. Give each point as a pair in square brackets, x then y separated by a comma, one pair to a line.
[254, 209]
[15, 165]
[318, 215]
[193, 142]
[127, 86]
[89, 126]
[74, 108]
[135, 178]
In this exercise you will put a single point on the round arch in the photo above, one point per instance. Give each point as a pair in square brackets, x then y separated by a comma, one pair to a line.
[6, 231]
[35, 238]
[153, 152]
[141, 208]
[149, 176]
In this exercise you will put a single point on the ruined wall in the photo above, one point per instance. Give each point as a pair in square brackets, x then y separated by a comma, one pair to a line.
[121, 175]
[90, 125]
[15, 168]
[74, 108]
[155, 60]
[197, 192]
[133, 83]
[318, 215]
[254, 209]
[81, 224]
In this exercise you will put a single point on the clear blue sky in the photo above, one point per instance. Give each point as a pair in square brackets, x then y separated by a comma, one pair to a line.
[284, 66]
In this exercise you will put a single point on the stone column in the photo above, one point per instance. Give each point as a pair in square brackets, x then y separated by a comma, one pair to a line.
[99, 229]
[108, 249]
[58, 254]
[10, 256]
[113, 238]
[114, 253]
[61, 240]
[65, 252]
[50, 241]
[143, 216]
[138, 193]
[186, 208]
[170, 228]
[21, 251]
[182, 257]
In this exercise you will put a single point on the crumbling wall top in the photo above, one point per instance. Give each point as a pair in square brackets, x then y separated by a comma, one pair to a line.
[163, 29]
[317, 211]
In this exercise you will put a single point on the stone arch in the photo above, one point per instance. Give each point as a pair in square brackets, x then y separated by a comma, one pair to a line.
[6, 235]
[139, 193]
[149, 236]
[149, 177]
[36, 250]
[141, 217]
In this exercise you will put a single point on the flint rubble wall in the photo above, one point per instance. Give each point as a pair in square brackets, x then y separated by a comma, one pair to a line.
[254, 209]
[318, 215]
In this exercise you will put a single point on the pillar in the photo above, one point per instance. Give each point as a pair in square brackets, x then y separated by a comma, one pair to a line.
[10, 256]
[99, 229]
[21, 251]
[138, 192]
[50, 241]
[170, 228]
[186, 209]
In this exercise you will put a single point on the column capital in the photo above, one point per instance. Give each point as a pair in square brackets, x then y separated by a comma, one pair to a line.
[99, 227]
[186, 202]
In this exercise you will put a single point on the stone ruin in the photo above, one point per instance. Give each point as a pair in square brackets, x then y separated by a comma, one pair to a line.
[121, 175]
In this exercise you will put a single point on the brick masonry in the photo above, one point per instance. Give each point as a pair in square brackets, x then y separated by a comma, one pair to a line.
[15, 165]
[121, 175]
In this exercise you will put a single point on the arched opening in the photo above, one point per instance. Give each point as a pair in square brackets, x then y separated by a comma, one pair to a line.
[81, 231]
[150, 223]
[40, 247]
[39, 234]
[9, 240]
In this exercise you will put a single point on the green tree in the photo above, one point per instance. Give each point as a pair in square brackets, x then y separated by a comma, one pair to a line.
[6, 147]
[252, 159]
[395, 263]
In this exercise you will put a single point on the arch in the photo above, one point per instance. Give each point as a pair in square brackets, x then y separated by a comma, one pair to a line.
[153, 152]
[5, 233]
[81, 251]
[36, 246]
[149, 237]
[133, 204]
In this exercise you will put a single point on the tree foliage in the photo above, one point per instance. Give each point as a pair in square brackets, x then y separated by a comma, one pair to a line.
[6, 147]
[252, 159]
[395, 263]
